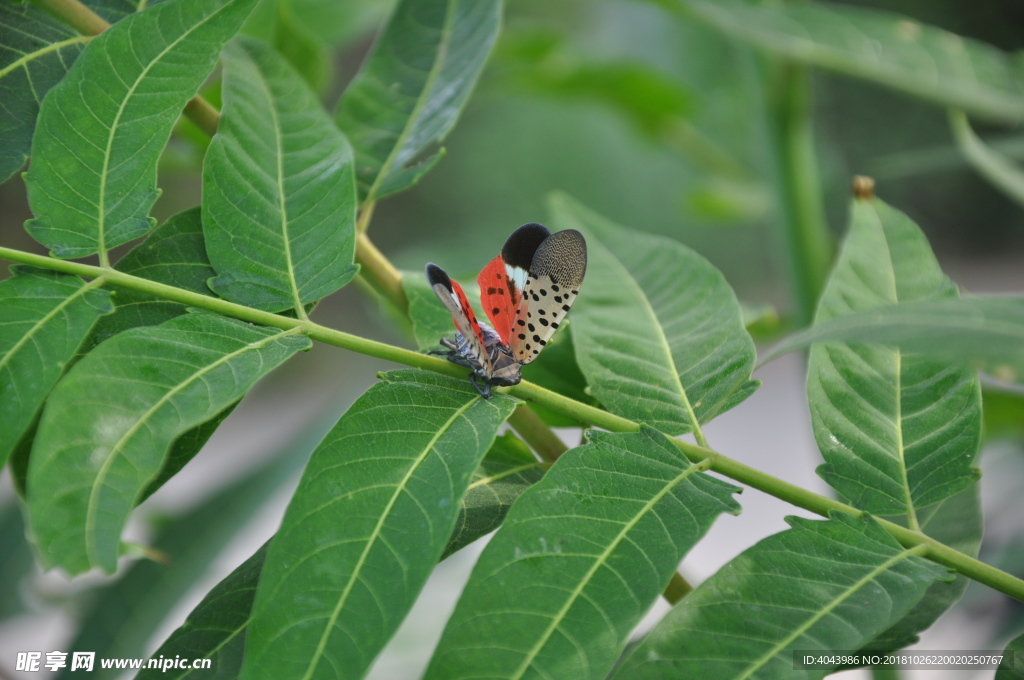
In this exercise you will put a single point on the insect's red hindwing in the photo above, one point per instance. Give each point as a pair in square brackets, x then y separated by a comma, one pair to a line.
[499, 296]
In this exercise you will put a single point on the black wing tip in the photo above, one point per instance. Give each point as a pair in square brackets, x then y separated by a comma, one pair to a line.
[522, 244]
[436, 275]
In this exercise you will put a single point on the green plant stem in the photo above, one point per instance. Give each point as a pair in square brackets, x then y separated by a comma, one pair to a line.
[76, 15]
[202, 113]
[807, 244]
[379, 272]
[677, 588]
[537, 434]
[999, 171]
[85, 21]
[943, 554]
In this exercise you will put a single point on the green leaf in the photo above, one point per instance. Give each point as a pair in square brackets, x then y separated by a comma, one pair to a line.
[372, 515]
[540, 61]
[174, 254]
[303, 49]
[107, 428]
[1012, 666]
[987, 332]
[579, 560]
[35, 52]
[184, 449]
[819, 586]
[44, 317]
[898, 431]
[102, 129]
[956, 522]
[292, 241]
[877, 46]
[998, 170]
[126, 614]
[412, 87]
[658, 332]
[216, 628]
[508, 469]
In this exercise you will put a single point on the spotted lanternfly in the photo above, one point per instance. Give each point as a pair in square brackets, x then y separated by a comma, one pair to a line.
[526, 291]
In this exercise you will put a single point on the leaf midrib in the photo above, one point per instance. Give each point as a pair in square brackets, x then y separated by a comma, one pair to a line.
[38, 54]
[898, 386]
[836, 601]
[428, 86]
[645, 304]
[598, 563]
[101, 217]
[375, 534]
[36, 327]
[282, 203]
[92, 505]
[506, 473]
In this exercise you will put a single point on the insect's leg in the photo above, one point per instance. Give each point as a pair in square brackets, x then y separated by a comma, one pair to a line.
[460, 361]
[484, 390]
[441, 352]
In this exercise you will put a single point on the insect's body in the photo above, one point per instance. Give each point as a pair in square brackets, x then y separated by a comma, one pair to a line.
[526, 291]
[501, 368]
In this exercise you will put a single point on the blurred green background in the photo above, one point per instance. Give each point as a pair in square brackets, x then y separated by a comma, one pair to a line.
[654, 122]
[657, 123]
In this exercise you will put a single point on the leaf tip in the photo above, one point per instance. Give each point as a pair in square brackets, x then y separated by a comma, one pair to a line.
[863, 187]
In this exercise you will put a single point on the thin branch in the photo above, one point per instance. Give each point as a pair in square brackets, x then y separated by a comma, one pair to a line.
[76, 15]
[795, 495]
[380, 273]
[537, 434]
